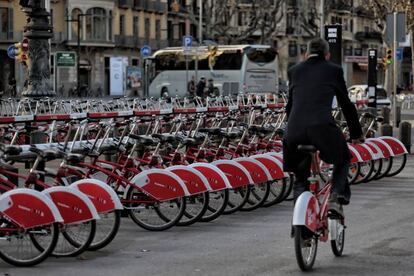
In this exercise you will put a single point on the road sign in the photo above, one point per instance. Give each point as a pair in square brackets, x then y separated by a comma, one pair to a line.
[65, 59]
[399, 54]
[11, 51]
[145, 51]
[372, 77]
[401, 23]
[187, 44]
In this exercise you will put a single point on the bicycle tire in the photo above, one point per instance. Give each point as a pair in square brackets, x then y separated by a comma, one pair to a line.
[160, 222]
[277, 191]
[377, 170]
[399, 167]
[67, 245]
[305, 263]
[217, 203]
[188, 218]
[386, 167]
[258, 195]
[364, 173]
[337, 245]
[289, 188]
[18, 260]
[102, 240]
[237, 198]
[353, 172]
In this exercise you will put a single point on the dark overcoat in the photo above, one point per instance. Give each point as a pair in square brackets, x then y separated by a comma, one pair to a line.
[312, 87]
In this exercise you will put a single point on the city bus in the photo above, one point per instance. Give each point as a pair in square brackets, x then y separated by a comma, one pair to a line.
[234, 69]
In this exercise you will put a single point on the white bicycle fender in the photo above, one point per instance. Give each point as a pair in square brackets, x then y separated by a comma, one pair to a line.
[306, 211]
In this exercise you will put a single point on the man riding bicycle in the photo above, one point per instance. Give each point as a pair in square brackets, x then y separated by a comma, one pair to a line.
[313, 84]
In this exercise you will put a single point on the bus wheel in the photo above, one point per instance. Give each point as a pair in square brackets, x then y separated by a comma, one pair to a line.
[164, 92]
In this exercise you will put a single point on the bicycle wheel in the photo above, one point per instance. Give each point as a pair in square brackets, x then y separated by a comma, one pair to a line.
[337, 230]
[386, 167]
[217, 203]
[195, 207]
[365, 171]
[258, 195]
[153, 215]
[276, 192]
[73, 241]
[106, 229]
[237, 198]
[17, 247]
[377, 169]
[353, 172]
[306, 245]
[398, 164]
[289, 187]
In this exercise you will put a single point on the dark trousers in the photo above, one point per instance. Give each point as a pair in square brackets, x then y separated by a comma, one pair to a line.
[340, 184]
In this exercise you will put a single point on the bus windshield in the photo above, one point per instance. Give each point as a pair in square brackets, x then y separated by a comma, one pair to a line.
[261, 55]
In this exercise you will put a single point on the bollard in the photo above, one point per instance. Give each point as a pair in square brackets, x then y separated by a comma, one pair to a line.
[386, 130]
[398, 115]
[405, 135]
[386, 111]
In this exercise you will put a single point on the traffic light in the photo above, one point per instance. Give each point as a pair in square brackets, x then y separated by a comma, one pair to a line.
[388, 57]
[22, 51]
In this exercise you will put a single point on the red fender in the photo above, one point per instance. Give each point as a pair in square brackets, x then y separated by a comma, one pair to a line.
[273, 164]
[194, 180]
[74, 206]
[382, 145]
[237, 175]
[28, 208]
[397, 147]
[215, 177]
[103, 197]
[277, 155]
[375, 150]
[258, 172]
[362, 154]
[161, 184]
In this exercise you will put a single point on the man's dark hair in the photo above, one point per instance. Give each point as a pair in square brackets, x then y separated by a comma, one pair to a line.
[318, 46]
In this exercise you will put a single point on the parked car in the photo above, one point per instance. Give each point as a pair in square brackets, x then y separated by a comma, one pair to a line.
[360, 92]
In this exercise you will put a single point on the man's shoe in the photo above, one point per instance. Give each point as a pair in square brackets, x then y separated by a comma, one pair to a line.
[334, 207]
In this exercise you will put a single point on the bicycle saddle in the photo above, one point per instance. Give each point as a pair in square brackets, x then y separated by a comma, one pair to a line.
[307, 148]
[144, 140]
[74, 158]
[11, 150]
[232, 135]
[211, 131]
[165, 138]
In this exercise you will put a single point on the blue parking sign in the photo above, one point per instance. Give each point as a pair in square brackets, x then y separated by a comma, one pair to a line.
[399, 54]
[187, 41]
[145, 51]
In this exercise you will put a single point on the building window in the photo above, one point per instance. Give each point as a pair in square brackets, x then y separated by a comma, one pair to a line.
[351, 25]
[122, 24]
[158, 30]
[96, 24]
[76, 24]
[290, 23]
[135, 26]
[293, 49]
[110, 25]
[241, 18]
[147, 29]
[4, 23]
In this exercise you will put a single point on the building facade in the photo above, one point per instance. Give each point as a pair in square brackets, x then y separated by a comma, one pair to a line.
[106, 29]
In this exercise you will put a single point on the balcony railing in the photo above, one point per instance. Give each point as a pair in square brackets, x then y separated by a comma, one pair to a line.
[125, 4]
[361, 36]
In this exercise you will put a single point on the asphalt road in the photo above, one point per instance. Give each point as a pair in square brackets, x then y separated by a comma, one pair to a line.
[379, 241]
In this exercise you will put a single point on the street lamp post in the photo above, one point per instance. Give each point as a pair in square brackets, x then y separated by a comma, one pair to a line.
[78, 44]
[38, 30]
